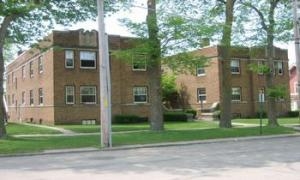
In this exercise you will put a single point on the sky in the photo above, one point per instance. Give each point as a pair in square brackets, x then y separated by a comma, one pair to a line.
[112, 24]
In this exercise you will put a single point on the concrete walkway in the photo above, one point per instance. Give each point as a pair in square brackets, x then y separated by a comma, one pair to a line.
[66, 132]
[62, 130]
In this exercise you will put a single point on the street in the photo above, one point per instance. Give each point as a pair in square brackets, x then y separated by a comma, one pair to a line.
[275, 159]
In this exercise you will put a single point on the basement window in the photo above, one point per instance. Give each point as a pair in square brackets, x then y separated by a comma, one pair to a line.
[88, 122]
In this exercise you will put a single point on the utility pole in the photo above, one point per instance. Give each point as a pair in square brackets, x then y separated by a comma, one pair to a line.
[104, 77]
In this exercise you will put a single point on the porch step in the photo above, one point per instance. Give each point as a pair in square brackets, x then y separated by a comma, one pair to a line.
[206, 116]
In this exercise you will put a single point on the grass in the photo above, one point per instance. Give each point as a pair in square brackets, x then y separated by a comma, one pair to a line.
[21, 145]
[15, 129]
[190, 135]
[281, 121]
[142, 126]
[13, 145]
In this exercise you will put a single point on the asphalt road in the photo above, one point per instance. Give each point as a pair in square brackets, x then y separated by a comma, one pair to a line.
[274, 159]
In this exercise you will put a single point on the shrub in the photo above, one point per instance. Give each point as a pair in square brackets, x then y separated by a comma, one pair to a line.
[293, 113]
[264, 114]
[191, 111]
[217, 115]
[175, 116]
[124, 119]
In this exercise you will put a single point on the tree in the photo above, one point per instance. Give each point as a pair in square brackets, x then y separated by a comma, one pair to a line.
[165, 39]
[272, 23]
[225, 104]
[156, 113]
[24, 21]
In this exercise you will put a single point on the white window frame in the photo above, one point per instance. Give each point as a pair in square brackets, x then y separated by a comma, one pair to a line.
[239, 89]
[280, 68]
[41, 96]
[69, 58]
[200, 71]
[143, 61]
[140, 91]
[235, 65]
[71, 94]
[31, 69]
[94, 58]
[40, 65]
[201, 95]
[93, 94]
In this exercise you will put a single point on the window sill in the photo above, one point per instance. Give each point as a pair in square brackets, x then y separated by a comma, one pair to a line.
[139, 70]
[87, 67]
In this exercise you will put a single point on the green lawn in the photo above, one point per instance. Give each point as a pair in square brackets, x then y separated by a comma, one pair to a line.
[22, 145]
[34, 144]
[281, 121]
[15, 129]
[143, 126]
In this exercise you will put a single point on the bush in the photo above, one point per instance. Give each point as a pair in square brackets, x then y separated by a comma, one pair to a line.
[217, 115]
[264, 114]
[124, 119]
[191, 111]
[293, 113]
[175, 117]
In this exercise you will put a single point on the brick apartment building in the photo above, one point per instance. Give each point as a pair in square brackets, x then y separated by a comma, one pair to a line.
[60, 84]
[203, 89]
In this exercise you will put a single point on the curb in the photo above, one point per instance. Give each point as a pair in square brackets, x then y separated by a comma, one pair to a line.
[169, 144]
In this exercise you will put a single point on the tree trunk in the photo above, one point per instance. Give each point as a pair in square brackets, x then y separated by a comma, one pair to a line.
[226, 85]
[271, 106]
[154, 68]
[2, 112]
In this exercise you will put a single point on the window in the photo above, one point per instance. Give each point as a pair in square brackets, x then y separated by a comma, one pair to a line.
[41, 96]
[23, 72]
[8, 100]
[13, 77]
[88, 94]
[31, 69]
[280, 68]
[31, 97]
[88, 59]
[23, 97]
[69, 59]
[7, 79]
[16, 83]
[236, 94]
[261, 66]
[12, 99]
[140, 94]
[235, 66]
[70, 92]
[261, 94]
[41, 66]
[201, 94]
[200, 71]
[139, 63]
